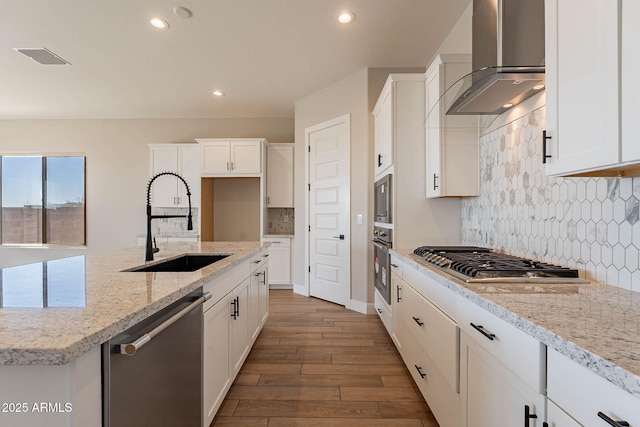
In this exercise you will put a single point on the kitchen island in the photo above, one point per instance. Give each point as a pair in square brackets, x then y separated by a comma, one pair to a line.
[55, 315]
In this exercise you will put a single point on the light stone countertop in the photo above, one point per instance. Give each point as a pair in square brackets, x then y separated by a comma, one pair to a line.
[113, 301]
[595, 325]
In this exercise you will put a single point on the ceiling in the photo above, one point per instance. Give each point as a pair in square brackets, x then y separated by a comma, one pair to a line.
[264, 54]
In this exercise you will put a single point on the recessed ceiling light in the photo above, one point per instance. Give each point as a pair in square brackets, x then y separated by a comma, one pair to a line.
[538, 87]
[182, 12]
[507, 105]
[346, 17]
[159, 23]
[218, 93]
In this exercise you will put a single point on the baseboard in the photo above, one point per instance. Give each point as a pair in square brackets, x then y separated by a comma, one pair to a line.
[362, 307]
[280, 286]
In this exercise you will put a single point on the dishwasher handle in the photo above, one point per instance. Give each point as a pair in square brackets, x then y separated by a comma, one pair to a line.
[131, 348]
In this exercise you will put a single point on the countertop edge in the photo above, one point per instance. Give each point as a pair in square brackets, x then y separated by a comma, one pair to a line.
[63, 356]
[598, 365]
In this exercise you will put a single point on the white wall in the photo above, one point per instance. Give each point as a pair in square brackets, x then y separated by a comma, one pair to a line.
[117, 167]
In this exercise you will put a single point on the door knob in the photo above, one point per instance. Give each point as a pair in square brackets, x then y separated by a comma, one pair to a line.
[341, 237]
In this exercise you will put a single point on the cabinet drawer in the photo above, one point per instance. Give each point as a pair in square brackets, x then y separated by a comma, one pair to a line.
[521, 353]
[396, 265]
[222, 285]
[443, 400]
[434, 331]
[259, 260]
[384, 311]
[583, 394]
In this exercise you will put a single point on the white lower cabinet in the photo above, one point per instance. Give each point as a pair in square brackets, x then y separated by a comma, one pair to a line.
[430, 351]
[216, 372]
[384, 312]
[491, 394]
[232, 319]
[280, 261]
[586, 397]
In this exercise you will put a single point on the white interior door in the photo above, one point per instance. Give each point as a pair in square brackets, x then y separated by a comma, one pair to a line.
[329, 207]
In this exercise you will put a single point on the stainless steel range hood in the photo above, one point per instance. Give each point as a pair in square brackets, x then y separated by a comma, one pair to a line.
[507, 57]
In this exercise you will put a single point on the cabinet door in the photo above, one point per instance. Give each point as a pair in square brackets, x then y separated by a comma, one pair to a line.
[582, 92]
[397, 306]
[280, 176]
[556, 417]
[263, 295]
[254, 305]
[216, 367]
[384, 131]
[216, 157]
[189, 169]
[239, 325]
[164, 189]
[280, 262]
[630, 85]
[433, 123]
[245, 157]
[491, 395]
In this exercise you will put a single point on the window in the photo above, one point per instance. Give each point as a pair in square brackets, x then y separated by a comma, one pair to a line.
[43, 200]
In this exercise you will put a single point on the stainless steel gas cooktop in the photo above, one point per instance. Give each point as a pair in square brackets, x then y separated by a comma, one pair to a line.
[474, 264]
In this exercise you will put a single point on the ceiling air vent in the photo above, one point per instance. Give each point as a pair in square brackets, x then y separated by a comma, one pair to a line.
[42, 55]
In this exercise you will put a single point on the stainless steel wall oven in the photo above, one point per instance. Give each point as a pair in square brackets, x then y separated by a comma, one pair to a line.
[383, 200]
[381, 245]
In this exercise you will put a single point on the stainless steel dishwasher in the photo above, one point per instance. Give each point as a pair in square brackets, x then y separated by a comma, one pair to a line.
[152, 372]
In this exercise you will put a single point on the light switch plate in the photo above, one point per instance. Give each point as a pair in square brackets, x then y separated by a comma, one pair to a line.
[359, 218]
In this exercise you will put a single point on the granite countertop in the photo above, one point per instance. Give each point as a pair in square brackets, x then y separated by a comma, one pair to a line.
[89, 299]
[595, 325]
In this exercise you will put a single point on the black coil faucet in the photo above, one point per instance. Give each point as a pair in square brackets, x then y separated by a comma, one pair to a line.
[149, 249]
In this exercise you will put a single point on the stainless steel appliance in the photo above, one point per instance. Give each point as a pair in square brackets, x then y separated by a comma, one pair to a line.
[474, 264]
[152, 372]
[381, 245]
[383, 200]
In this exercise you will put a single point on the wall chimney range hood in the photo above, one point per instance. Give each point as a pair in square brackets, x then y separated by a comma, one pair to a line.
[507, 58]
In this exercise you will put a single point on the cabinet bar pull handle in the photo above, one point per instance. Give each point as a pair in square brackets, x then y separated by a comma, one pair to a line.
[238, 306]
[379, 311]
[267, 200]
[398, 298]
[379, 160]
[480, 329]
[612, 422]
[545, 424]
[394, 265]
[417, 320]
[419, 369]
[528, 415]
[545, 156]
[435, 186]
[234, 304]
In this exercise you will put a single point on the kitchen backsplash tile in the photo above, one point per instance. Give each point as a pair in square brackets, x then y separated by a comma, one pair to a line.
[587, 223]
[280, 221]
[174, 226]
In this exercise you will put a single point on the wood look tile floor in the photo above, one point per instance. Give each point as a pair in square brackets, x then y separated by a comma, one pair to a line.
[318, 364]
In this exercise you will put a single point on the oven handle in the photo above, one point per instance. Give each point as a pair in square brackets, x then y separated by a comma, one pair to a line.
[379, 245]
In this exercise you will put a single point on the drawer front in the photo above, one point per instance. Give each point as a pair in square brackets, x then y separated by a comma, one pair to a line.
[384, 312]
[259, 260]
[521, 353]
[556, 417]
[435, 332]
[442, 297]
[583, 394]
[221, 286]
[396, 265]
[443, 400]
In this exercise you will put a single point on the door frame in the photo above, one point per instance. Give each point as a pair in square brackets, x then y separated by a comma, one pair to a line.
[307, 220]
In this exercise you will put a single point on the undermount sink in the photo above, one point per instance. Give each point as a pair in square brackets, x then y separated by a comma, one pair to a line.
[182, 263]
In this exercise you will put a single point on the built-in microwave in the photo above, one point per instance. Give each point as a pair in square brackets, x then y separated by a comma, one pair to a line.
[383, 200]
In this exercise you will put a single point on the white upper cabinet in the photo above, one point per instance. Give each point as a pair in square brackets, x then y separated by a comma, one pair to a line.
[231, 156]
[630, 87]
[383, 133]
[280, 176]
[452, 147]
[183, 159]
[586, 53]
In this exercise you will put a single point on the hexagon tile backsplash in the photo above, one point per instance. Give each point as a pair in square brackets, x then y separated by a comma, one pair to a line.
[591, 224]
